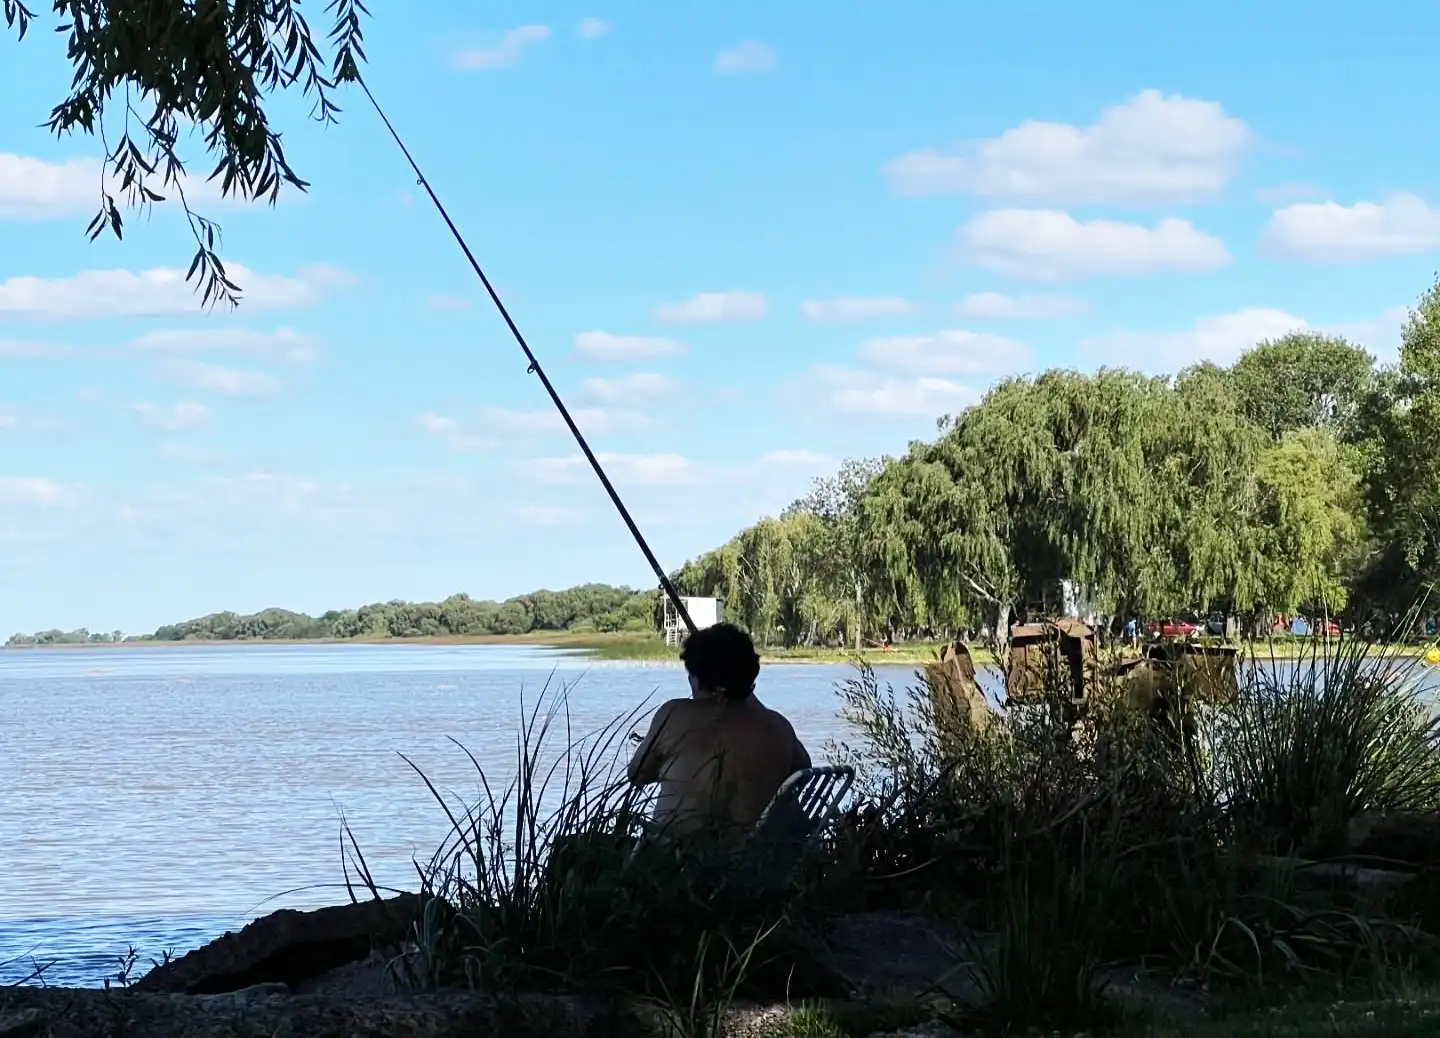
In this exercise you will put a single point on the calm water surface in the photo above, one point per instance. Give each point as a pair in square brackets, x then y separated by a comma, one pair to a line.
[157, 797]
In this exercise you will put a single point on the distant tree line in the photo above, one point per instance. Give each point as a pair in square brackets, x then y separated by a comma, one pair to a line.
[589, 607]
[1305, 477]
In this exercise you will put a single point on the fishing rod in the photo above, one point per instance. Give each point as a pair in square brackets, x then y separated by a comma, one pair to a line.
[536, 369]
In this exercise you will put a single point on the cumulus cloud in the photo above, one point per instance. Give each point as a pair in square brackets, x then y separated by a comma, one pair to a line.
[39, 189]
[547, 515]
[283, 344]
[593, 421]
[865, 393]
[1220, 338]
[160, 292]
[591, 28]
[637, 388]
[508, 51]
[1152, 149]
[31, 490]
[713, 308]
[750, 56]
[1283, 194]
[846, 309]
[953, 352]
[675, 471]
[448, 431]
[996, 305]
[1049, 245]
[178, 418]
[12, 349]
[1327, 232]
[605, 348]
[223, 381]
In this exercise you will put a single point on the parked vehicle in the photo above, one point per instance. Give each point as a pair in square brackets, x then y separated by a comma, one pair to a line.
[1183, 625]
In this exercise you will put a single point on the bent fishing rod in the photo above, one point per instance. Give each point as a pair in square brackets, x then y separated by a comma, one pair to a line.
[536, 369]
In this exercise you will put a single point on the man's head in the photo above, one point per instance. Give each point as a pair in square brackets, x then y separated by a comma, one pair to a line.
[721, 661]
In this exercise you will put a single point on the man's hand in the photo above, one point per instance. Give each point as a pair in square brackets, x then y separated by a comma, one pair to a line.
[635, 737]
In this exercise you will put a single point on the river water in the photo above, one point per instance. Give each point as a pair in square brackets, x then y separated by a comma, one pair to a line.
[155, 797]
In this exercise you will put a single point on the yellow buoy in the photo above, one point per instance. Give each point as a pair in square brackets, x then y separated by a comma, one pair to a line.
[1432, 655]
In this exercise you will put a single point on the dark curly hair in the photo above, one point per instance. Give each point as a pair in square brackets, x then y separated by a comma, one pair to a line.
[722, 659]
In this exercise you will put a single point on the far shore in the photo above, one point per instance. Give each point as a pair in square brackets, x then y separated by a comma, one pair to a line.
[621, 647]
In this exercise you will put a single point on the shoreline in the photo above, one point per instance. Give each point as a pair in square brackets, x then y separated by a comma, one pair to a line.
[622, 648]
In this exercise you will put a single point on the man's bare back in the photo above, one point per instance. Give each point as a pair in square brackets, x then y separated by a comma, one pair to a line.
[720, 756]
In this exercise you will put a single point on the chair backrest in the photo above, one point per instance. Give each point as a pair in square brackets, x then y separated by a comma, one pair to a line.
[794, 822]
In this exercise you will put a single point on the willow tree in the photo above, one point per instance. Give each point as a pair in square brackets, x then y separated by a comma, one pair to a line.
[1311, 522]
[146, 69]
[1139, 491]
[845, 557]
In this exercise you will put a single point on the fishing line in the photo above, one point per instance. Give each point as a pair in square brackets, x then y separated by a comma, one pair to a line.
[536, 369]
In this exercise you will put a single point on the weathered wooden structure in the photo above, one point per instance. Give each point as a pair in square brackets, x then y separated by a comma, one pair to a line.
[955, 693]
[1043, 655]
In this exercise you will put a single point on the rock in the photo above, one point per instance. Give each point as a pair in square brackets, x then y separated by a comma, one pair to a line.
[286, 947]
[16, 1025]
[1410, 839]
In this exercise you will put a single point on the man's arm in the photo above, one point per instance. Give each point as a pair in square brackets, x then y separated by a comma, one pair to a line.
[645, 765]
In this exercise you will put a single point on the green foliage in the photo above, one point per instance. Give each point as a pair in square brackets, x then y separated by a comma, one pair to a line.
[586, 608]
[1066, 842]
[154, 67]
[1291, 481]
[1313, 745]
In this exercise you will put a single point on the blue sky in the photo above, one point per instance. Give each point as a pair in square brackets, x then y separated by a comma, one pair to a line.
[747, 240]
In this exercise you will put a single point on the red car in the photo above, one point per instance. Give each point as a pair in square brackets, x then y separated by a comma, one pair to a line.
[1172, 628]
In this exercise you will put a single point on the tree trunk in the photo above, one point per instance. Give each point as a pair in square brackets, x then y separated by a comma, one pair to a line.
[1002, 631]
[859, 601]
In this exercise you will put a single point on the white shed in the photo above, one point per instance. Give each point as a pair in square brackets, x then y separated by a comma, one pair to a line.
[706, 612]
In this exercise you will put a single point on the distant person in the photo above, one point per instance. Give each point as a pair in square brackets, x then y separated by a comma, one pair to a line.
[720, 756]
[1132, 632]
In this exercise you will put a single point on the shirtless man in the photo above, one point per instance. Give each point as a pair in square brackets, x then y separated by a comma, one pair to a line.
[721, 755]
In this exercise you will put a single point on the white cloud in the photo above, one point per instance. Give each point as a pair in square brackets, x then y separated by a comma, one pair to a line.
[1049, 245]
[1327, 232]
[592, 421]
[30, 490]
[182, 416]
[213, 378]
[448, 431]
[750, 56]
[636, 388]
[871, 395]
[11, 349]
[1152, 149]
[605, 348]
[996, 305]
[508, 51]
[846, 309]
[9, 418]
[1380, 335]
[160, 292]
[591, 28]
[1283, 194]
[1221, 339]
[675, 471]
[636, 470]
[38, 189]
[713, 308]
[440, 301]
[547, 515]
[953, 352]
[283, 344]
